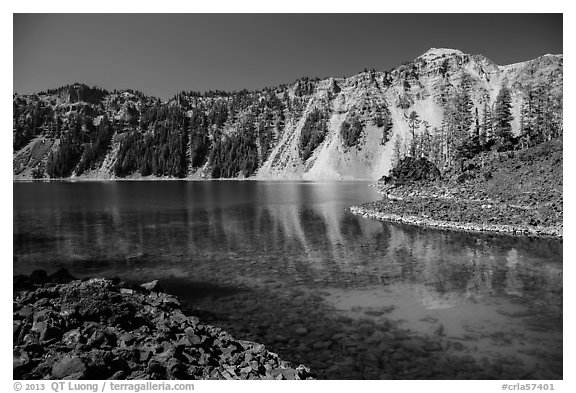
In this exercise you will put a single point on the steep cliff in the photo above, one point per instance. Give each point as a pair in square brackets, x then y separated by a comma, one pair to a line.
[336, 128]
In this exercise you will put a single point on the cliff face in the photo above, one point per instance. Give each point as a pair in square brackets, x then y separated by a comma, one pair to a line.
[286, 132]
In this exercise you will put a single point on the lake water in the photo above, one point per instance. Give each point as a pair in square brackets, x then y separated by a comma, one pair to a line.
[286, 264]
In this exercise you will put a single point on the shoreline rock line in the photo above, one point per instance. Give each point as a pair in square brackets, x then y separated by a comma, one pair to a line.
[514, 192]
[64, 328]
[420, 221]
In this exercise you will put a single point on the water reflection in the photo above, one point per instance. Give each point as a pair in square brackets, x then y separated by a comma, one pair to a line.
[499, 296]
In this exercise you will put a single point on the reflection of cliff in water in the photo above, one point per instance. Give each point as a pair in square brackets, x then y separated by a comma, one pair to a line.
[290, 254]
[279, 238]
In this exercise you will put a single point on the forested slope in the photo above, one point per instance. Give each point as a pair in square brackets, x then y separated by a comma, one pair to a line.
[443, 105]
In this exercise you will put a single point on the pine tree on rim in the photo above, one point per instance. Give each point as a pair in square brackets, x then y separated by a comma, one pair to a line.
[503, 119]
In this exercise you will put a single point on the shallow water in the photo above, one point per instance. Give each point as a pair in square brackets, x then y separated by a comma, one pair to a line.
[286, 264]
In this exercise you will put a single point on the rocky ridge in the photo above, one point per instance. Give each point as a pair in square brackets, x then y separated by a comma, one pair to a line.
[280, 115]
[103, 329]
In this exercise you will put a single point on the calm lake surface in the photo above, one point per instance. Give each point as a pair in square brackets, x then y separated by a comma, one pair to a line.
[286, 264]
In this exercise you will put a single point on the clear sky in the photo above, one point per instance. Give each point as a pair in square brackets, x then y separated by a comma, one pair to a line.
[162, 54]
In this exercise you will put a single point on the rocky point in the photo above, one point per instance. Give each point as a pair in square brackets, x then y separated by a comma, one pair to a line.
[97, 328]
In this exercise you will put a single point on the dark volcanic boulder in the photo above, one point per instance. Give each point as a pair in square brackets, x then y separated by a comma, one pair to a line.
[100, 329]
[386, 179]
[92, 300]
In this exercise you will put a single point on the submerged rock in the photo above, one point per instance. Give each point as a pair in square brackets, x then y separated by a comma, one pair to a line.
[151, 286]
[69, 366]
[98, 329]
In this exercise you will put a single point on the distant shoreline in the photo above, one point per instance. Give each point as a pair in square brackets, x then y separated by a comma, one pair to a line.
[89, 180]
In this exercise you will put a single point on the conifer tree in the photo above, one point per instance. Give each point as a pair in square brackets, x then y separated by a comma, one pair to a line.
[436, 155]
[503, 119]
[458, 119]
[486, 133]
[448, 131]
[424, 141]
[413, 124]
[527, 122]
[397, 151]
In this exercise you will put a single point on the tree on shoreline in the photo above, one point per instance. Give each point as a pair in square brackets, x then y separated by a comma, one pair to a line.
[413, 124]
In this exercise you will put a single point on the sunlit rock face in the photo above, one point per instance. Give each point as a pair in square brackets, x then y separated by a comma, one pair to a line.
[279, 116]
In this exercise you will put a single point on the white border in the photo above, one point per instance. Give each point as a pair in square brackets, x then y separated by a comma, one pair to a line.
[296, 6]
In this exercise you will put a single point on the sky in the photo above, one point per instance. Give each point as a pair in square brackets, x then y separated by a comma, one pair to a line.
[162, 54]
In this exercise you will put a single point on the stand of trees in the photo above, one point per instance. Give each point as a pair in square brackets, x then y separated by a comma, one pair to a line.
[351, 131]
[62, 162]
[235, 132]
[161, 151]
[313, 132]
[235, 154]
[155, 138]
[79, 92]
[199, 141]
[95, 150]
[540, 116]
[466, 132]
[383, 119]
[31, 119]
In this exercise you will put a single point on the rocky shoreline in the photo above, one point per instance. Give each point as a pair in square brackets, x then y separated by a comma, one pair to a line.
[97, 328]
[378, 211]
[517, 193]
